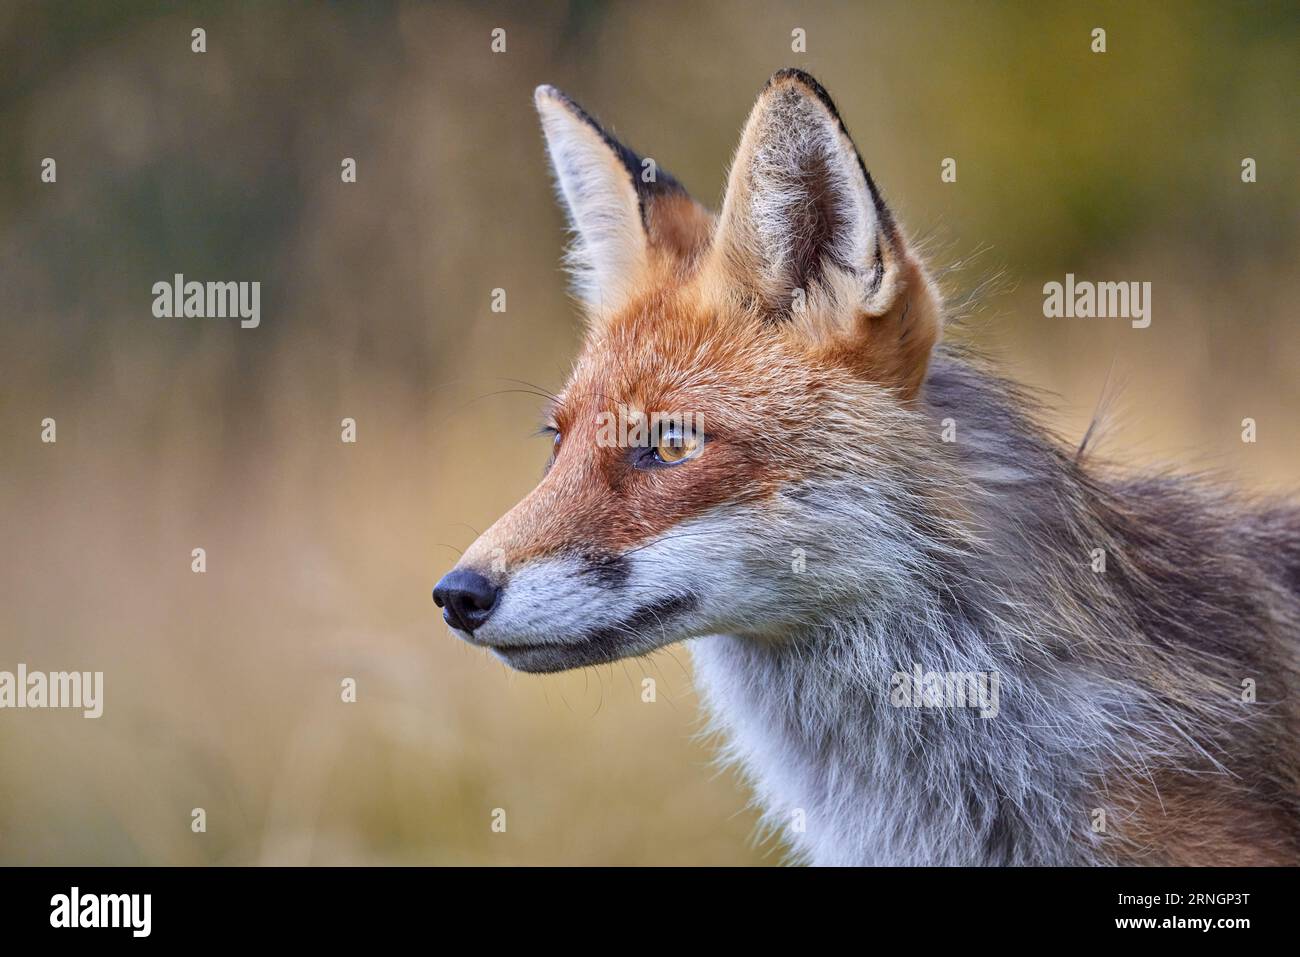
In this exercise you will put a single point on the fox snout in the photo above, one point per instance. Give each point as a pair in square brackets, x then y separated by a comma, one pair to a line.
[467, 598]
[562, 613]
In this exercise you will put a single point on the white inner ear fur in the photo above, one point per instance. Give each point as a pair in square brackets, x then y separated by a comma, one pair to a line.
[792, 149]
[609, 251]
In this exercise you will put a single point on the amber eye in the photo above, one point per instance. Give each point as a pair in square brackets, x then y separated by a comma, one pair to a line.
[676, 445]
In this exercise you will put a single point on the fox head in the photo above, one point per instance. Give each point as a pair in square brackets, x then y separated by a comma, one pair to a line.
[739, 438]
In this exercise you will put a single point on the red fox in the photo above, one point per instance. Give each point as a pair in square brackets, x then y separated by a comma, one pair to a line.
[978, 648]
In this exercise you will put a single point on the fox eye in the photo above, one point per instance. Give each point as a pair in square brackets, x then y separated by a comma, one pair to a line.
[555, 435]
[677, 445]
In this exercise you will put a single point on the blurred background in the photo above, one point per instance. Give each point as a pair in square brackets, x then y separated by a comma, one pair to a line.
[223, 689]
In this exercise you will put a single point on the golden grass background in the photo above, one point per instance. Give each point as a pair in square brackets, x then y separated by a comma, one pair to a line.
[222, 690]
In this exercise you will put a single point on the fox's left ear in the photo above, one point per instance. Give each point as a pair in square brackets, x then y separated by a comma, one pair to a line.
[805, 235]
[630, 218]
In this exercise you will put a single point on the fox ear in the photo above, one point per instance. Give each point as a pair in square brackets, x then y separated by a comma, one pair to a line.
[628, 216]
[803, 223]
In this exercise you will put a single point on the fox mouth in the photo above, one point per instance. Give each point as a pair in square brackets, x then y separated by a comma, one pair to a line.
[632, 635]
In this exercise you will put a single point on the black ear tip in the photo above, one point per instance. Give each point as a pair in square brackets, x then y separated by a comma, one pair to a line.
[549, 94]
[794, 75]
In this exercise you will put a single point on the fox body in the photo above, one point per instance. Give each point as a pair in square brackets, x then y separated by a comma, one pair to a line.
[817, 540]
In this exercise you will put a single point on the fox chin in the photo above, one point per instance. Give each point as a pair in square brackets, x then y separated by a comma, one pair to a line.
[820, 495]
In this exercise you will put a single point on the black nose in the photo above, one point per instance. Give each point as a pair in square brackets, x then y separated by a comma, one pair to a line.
[466, 598]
